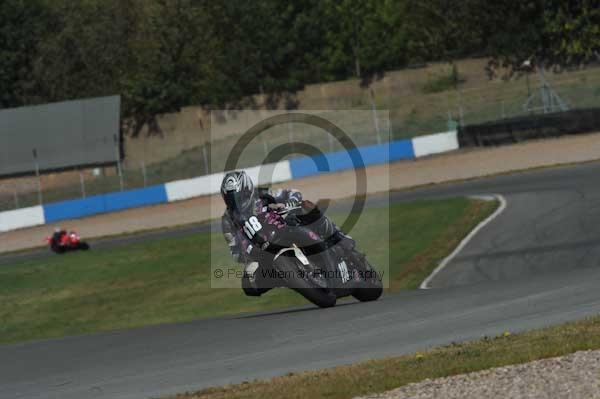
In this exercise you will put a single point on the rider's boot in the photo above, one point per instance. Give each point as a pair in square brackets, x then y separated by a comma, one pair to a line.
[253, 281]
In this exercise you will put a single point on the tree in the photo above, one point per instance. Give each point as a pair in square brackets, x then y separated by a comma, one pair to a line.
[260, 47]
[545, 32]
[22, 23]
[173, 61]
[572, 32]
[161, 55]
[86, 53]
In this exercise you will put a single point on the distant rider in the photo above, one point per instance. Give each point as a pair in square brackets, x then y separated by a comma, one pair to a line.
[57, 237]
[243, 201]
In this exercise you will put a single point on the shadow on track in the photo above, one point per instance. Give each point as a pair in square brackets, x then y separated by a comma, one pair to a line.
[292, 310]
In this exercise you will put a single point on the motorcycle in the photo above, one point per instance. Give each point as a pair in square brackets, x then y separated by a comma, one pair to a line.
[320, 270]
[66, 241]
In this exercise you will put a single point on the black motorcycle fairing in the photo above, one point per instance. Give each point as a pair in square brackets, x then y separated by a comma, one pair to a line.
[333, 268]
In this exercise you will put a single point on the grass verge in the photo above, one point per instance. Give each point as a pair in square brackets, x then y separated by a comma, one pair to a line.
[168, 280]
[383, 375]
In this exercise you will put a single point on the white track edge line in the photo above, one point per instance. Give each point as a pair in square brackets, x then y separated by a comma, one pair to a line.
[425, 284]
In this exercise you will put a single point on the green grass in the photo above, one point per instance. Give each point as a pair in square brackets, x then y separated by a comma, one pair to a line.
[168, 280]
[382, 375]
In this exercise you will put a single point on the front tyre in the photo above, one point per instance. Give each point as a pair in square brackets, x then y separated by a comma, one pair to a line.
[303, 284]
[57, 249]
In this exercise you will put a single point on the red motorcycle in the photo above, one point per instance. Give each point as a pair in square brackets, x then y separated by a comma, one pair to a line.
[63, 241]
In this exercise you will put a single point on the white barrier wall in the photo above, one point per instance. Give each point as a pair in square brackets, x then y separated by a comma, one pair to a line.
[271, 173]
[196, 187]
[20, 218]
[435, 144]
[207, 185]
[211, 184]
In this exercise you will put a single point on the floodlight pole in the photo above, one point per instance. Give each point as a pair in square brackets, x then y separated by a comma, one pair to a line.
[290, 133]
[144, 174]
[82, 182]
[16, 194]
[39, 179]
[205, 159]
[527, 66]
[265, 145]
[374, 111]
[119, 169]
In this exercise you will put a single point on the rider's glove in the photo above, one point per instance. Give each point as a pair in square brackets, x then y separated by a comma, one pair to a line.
[308, 205]
[277, 206]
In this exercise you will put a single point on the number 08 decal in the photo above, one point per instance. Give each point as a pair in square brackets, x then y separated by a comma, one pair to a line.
[252, 226]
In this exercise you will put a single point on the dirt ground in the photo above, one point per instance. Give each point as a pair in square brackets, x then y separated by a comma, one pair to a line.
[462, 164]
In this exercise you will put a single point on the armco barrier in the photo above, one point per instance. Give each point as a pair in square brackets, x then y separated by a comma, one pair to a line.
[341, 160]
[20, 218]
[104, 203]
[528, 127]
[206, 185]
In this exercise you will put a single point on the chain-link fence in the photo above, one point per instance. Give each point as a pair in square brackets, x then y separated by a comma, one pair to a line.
[474, 104]
[76, 183]
[422, 112]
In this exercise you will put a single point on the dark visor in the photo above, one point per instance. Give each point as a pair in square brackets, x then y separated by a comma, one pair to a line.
[235, 201]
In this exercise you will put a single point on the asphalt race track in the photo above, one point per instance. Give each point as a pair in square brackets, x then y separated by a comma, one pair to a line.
[109, 242]
[536, 264]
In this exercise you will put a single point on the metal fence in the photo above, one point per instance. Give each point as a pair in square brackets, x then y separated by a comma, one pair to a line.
[409, 116]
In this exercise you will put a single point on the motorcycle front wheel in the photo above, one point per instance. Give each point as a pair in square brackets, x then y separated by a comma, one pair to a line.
[295, 279]
[371, 287]
[84, 246]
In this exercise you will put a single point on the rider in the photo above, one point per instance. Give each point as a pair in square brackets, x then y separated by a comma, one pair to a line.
[58, 235]
[243, 201]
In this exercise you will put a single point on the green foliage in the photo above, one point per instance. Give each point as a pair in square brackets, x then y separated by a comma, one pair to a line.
[573, 31]
[86, 52]
[162, 55]
[545, 32]
[172, 60]
[21, 24]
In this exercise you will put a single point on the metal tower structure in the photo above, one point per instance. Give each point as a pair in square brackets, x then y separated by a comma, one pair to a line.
[544, 99]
